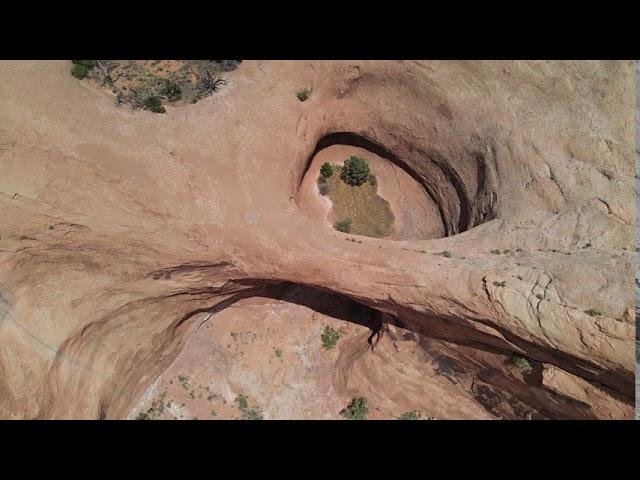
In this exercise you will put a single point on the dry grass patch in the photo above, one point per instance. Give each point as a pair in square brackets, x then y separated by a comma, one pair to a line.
[369, 213]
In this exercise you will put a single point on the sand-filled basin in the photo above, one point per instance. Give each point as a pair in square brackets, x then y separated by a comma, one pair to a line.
[415, 214]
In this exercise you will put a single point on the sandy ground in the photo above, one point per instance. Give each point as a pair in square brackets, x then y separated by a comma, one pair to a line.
[270, 351]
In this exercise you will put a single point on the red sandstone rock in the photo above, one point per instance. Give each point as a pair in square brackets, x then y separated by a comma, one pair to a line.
[121, 229]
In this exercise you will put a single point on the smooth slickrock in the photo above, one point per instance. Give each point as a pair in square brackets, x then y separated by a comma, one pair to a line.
[120, 229]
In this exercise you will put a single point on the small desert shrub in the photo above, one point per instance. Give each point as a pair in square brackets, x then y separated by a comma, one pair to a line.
[184, 381]
[153, 104]
[86, 63]
[171, 91]
[539, 297]
[228, 65]
[356, 410]
[329, 337]
[500, 284]
[373, 180]
[278, 353]
[495, 252]
[355, 171]
[81, 68]
[155, 411]
[303, 95]
[324, 189]
[343, 225]
[79, 71]
[326, 170]
[247, 413]
[521, 362]
[412, 415]
[446, 254]
[592, 312]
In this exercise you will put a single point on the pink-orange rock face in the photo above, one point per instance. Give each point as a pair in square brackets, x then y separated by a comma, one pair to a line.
[123, 230]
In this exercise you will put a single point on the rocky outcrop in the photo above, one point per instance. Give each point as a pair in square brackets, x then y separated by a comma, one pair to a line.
[120, 227]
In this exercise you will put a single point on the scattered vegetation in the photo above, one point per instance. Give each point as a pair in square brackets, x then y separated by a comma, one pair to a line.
[153, 104]
[146, 84]
[304, 94]
[81, 68]
[446, 254]
[593, 313]
[184, 381]
[356, 410]
[247, 412]
[329, 337]
[277, 353]
[495, 252]
[521, 362]
[500, 284]
[343, 225]
[355, 171]
[326, 170]
[155, 411]
[411, 415]
[171, 91]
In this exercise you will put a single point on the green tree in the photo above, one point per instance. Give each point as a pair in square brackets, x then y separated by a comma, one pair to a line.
[326, 170]
[355, 171]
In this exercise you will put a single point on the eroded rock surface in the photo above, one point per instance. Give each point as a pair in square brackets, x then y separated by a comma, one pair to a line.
[122, 229]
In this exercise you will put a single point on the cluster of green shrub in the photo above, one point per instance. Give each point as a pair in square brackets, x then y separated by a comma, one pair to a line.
[411, 415]
[194, 81]
[80, 68]
[521, 362]
[354, 172]
[155, 411]
[329, 337]
[149, 94]
[247, 412]
[356, 410]
[343, 225]
[304, 94]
